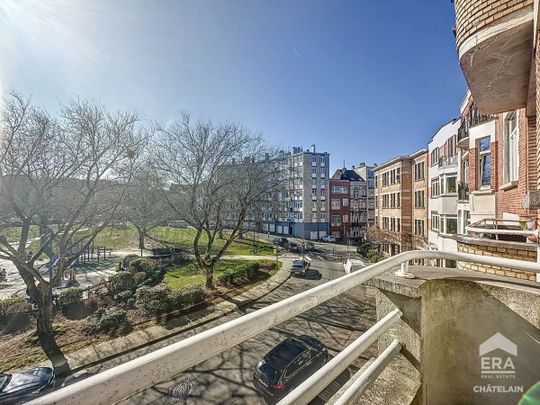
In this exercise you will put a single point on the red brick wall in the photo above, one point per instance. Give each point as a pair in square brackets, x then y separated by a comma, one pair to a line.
[344, 228]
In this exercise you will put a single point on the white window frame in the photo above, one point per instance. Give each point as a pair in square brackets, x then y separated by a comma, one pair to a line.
[511, 148]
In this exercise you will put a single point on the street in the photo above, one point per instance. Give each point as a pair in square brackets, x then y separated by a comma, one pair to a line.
[226, 378]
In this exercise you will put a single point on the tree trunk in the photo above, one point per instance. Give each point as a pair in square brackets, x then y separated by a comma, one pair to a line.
[59, 275]
[47, 340]
[142, 234]
[209, 273]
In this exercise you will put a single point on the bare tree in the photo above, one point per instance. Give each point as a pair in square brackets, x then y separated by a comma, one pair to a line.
[63, 177]
[214, 175]
[144, 205]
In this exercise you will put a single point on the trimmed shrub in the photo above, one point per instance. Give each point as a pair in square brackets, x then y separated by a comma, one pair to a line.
[107, 321]
[70, 297]
[154, 300]
[161, 300]
[246, 272]
[139, 277]
[121, 282]
[142, 264]
[127, 260]
[13, 305]
[185, 297]
[123, 296]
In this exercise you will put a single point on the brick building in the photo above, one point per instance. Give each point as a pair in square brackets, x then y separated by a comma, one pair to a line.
[348, 204]
[497, 44]
[400, 218]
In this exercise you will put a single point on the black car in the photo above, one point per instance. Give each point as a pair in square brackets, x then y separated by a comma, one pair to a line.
[281, 241]
[288, 364]
[23, 386]
[293, 247]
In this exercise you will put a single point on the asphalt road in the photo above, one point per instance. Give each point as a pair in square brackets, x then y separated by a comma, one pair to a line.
[227, 378]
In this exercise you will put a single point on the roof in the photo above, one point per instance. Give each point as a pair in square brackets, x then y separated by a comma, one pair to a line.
[283, 353]
[346, 174]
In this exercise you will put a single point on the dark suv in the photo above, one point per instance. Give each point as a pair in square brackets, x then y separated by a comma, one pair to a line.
[288, 364]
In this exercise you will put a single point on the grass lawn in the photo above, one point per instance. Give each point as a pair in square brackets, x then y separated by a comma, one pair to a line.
[118, 238]
[189, 274]
[13, 234]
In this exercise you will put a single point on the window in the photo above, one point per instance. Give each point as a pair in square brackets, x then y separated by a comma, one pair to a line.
[385, 179]
[336, 220]
[345, 219]
[386, 223]
[419, 169]
[398, 224]
[398, 200]
[419, 197]
[398, 175]
[435, 187]
[339, 189]
[313, 160]
[336, 204]
[449, 185]
[450, 225]
[511, 159]
[484, 162]
[435, 221]
[419, 227]
[345, 202]
[435, 157]
[323, 192]
[313, 172]
[386, 200]
[451, 146]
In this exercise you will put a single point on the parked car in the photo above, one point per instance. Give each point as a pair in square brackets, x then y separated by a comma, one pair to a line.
[293, 247]
[299, 268]
[328, 238]
[288, 364]
[309, 246]
[281, 241]
[24, 385]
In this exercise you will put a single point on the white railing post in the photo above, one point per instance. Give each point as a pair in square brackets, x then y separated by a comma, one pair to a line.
[370, 374]
[311, 387]
[404, 271]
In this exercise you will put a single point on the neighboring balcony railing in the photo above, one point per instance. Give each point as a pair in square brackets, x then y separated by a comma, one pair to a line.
[122, 381]
[497, 227]
[463, 191]
[448, 161]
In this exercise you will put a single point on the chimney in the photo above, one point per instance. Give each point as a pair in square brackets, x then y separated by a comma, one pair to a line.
[353, 167]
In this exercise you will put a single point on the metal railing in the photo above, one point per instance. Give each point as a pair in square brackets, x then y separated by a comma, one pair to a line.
[492, 226]
[448, 161]
[463, 191]
[150, 369]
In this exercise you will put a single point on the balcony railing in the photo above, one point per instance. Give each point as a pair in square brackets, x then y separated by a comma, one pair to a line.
[497, 227]
[448, 161]
[122, 381]
[463, 191]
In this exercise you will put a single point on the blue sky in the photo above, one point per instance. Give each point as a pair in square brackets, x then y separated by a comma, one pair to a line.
[363, 80]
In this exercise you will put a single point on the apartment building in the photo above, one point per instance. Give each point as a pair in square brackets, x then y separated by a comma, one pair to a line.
[499, 141]
[443, 187]
[367, 172]
[300, 208]
[420, 195]
[348, 205]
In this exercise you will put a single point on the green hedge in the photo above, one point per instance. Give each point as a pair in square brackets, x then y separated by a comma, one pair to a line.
[127, 260]
[123, 296]
[121, 282]
[142, 264]
[13, 305]
[70, 297]
[161, 300]
[107, 321]
[245, 272]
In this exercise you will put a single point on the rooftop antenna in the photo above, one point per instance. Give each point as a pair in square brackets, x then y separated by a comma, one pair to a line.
[313, 146]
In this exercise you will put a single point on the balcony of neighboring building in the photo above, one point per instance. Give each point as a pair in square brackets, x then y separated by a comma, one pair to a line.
[473, 119]
[494, 39]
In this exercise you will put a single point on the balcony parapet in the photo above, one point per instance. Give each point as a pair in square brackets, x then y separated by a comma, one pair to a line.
[494, 39]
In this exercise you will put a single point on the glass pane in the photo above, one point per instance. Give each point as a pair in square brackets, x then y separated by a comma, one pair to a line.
[484, 144]
[486, 170]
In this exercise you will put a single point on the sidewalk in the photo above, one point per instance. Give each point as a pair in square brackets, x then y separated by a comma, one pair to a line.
[100, 352]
